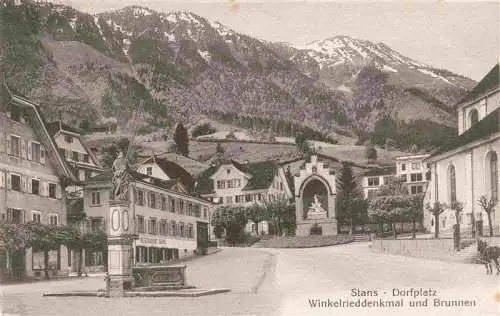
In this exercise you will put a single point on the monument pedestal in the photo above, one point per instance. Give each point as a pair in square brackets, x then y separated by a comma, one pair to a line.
[120, 252]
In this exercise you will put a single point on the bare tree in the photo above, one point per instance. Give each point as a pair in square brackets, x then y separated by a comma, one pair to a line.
[437, 209]
[488, 205]
[458, 208]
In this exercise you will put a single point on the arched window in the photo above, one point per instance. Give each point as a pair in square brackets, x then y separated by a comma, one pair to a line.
[452, 183]
[494, 175]
[473, 117]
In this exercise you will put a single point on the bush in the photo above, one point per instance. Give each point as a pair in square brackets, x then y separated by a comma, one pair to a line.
[203, 129]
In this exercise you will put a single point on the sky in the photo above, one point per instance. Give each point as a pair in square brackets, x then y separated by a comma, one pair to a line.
[462, 37]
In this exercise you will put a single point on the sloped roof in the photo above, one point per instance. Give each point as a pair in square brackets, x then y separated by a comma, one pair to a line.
[488, 83]
[261, 175]
[380, 172]
[54, 127]
[14, 96]
[176, 171]
[482, 129]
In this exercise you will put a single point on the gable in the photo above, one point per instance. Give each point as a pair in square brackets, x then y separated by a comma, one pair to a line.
[33, 131]
[156, 170]
[228, 172]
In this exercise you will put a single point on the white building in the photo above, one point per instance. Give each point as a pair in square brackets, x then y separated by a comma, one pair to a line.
[231, 183]
[468, 168]
[172, 222]
[372, 180]
[413, 171]
[78, 157]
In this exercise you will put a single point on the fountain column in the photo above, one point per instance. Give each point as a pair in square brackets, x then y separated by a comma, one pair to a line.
[120, 249]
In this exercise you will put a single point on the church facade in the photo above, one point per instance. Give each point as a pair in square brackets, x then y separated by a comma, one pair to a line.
[467, 169]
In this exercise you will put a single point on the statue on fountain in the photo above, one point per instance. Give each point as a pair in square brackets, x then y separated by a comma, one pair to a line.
[121, 177]
[316, 211]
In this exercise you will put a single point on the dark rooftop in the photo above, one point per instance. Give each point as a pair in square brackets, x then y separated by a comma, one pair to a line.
[488, 83]
[54, 127]
[482, 129]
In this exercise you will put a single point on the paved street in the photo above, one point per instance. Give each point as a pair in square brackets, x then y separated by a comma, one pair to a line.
[277, 282]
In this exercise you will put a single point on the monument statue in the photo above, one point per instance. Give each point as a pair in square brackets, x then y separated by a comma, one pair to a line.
[316, 209]
[121, 177]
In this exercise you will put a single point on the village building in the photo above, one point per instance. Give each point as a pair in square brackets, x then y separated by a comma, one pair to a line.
[33, 177]
[79, 158]
[413, 172]
[230, 183]
[467, 168]
[374, 179]
[170, 220]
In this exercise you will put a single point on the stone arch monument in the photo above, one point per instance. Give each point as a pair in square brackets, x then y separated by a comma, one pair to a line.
[315, 194]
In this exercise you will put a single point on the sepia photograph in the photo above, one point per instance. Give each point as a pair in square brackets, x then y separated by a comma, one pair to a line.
[249, 157]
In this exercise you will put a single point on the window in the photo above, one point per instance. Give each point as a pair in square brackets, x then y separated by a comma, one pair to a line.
[403, 167]
[53, 220]
[190, 231]
[152, 200]
[404, 178]
[15, 113]
[68, 139]
[35, 152]
[238, 183]
[197, 211]
[140, 198]
[173, 228]
[172, 205]
[182, 230]
[372, 193]
[248, 198]
[62, 152]
[221, 184]
[452, 184]
[228, 171]
[281, 186]
[163, 227]
[230, 184]
[86, 158]
[494, 176]
[473, 117]
[36, 217]
[96, 224]
[229, 199]
[415, 166]
[52, 190]
[152, 229]
[74, 155]
[181, 207]
[388, 179]
[416, 177]
[190, 209]
[15, 146]
[373, 182]
[417, 189]
[35, 186]
[140, 224]
[163, 203]
[239, 199]
[15, 181]
[96, 198]
[149, 171]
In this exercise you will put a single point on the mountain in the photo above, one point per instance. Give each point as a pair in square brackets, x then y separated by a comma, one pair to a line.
[183, 67]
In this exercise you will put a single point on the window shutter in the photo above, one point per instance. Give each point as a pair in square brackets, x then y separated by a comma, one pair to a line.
[23, 184]
[30, 188]
[7, 143]
[42, 154]
[2, 179]
[9, 215]
[24, 216]
[23, 148]
[9, 182]
[58, 191]
[30, 154]
[2, 142]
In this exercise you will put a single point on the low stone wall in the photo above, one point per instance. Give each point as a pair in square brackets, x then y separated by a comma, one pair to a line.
[439, 249]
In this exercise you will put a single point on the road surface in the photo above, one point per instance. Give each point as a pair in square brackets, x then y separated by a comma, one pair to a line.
[284, 282]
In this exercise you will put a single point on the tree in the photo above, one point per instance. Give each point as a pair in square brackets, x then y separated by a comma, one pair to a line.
[256, 214]
[276, 212]
[415, 212]
[181, 139]
[351, 206]
[43, 238]
[371, 153]
[302, 143]
[488, 205]
[391, 208]
[219, 149]
[203, 129]
[232, 220]
[436, 209]
[458, 208]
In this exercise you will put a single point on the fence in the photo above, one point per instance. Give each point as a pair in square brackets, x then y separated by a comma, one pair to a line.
[385, 230]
